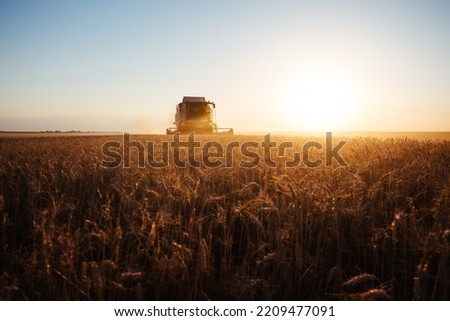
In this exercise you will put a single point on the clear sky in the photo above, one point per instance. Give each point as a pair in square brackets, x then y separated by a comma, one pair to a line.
[268, 65]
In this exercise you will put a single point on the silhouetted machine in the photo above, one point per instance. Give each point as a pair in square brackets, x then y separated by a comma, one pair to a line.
[196, 115]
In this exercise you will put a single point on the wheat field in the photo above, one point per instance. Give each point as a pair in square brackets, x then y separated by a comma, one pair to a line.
[378, 228]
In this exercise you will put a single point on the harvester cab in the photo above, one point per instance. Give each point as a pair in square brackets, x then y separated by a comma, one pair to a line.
[196, 115]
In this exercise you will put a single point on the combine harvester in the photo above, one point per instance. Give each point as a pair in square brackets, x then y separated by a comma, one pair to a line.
[196, 115]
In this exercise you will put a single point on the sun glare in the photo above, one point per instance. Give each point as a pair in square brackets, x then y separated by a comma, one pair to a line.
[320, 102]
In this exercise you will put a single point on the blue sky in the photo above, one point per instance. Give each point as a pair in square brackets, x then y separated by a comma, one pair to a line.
[268, 65]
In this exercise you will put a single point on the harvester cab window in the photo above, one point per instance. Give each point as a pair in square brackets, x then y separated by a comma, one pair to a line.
[197, 110]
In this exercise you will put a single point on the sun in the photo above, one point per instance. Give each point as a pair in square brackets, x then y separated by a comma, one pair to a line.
[320, 102]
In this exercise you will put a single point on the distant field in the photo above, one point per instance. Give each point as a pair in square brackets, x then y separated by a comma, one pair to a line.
[412, 135]
[53, 134]
[378, 228]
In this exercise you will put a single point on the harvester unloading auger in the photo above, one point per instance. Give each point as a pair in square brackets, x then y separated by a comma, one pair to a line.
[196, 115]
